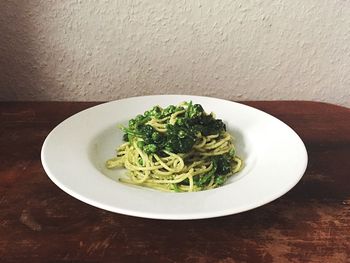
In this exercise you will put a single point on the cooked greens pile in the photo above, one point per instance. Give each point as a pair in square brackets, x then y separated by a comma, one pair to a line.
[179, 137]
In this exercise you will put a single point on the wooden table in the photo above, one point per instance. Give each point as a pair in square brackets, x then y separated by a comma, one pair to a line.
[41, 223]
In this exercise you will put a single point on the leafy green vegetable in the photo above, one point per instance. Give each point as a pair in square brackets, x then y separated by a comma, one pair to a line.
[179, 137]
[223, 164]
[156, 111]
[220, 180]
[221, 168]
[194, 111]
[150, 148]
[168, 111]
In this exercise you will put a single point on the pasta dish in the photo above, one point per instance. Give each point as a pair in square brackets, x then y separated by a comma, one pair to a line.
[178, 148]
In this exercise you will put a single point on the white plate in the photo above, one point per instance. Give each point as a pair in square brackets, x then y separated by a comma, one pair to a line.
[74, 153]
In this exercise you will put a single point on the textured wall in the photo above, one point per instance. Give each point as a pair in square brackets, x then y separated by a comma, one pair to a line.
[103, 50]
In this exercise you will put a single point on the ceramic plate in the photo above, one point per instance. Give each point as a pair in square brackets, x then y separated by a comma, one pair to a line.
[74, 153]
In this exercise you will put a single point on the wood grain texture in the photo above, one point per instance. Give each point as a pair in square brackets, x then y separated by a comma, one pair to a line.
[41, 223]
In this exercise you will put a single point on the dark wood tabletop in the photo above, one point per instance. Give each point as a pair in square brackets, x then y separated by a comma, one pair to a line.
[41, 223]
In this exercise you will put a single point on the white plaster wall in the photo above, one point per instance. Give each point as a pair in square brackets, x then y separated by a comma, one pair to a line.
[104, 50]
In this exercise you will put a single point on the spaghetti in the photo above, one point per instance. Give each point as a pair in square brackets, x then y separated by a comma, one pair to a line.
[178, 149]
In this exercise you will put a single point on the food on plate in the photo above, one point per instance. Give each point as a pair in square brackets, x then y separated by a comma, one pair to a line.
[178, 148]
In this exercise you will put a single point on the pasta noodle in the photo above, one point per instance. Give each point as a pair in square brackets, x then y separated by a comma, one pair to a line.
[207, 164]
